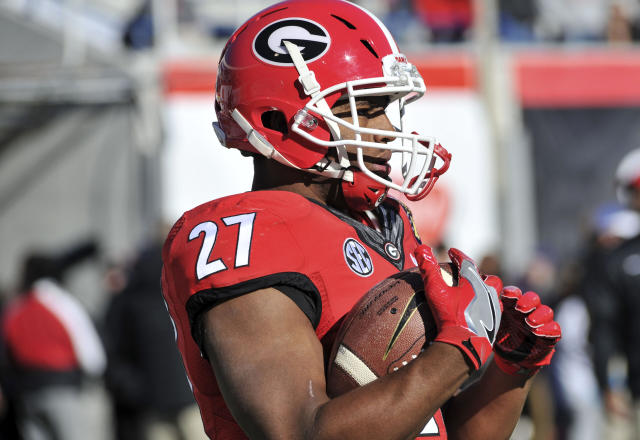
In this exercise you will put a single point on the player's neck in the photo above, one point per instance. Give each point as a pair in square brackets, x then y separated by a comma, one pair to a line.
[271, 175]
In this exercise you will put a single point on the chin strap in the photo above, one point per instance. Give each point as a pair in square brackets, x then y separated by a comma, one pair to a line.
[364, 193]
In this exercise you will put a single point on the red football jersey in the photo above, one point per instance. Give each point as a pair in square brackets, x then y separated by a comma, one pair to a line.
[322, 259]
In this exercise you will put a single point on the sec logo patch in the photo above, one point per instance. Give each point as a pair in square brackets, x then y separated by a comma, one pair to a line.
[357, 257]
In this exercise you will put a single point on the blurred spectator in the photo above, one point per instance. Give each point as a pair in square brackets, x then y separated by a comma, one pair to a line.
[448, 21]
[8, 426]
[540, 407]
[51, 346]
[629, 12]
[619, 25]
[145, 374]
[491, 264]
[8, 417]
[138, 32]
[577, 400]
[614, 297]
[541, 277]
[573, 20]
[613, 225]
[635, 25]
[517, 20]
[402, 22]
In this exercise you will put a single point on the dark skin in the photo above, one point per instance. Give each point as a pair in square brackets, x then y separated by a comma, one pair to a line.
[269, 363]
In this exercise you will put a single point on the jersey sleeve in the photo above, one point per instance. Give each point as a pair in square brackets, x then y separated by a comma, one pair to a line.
[220, 251]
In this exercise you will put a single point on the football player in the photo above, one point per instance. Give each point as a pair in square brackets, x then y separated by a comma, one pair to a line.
[612, 298]
[256, 283]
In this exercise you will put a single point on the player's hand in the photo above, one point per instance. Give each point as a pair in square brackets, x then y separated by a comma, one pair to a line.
[527, 334]
[466, 315]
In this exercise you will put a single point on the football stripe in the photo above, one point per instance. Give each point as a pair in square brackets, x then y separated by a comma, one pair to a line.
[354, 366]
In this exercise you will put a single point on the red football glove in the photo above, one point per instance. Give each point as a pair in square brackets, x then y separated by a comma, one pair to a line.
[466, 315]
[527, 334]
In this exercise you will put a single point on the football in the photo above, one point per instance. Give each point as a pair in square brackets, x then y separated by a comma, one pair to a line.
[384, 331]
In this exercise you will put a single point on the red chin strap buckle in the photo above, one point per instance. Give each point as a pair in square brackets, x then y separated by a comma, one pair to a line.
[432, 177]
[364, 193]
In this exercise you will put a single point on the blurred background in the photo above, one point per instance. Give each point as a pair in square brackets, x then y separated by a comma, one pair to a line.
[105, 139]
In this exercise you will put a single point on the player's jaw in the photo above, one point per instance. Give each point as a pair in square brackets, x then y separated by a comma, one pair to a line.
[375, 160]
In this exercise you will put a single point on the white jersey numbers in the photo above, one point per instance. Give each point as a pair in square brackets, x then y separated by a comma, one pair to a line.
[245, 233]
[204, 267]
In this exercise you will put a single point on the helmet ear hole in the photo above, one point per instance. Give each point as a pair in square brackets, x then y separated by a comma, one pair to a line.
[275, 120]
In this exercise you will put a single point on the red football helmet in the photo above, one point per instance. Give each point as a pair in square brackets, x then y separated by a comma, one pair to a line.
[295, 60]
[628, 176]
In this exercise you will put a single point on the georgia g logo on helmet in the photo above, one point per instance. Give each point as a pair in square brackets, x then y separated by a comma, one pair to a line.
[312, 39]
